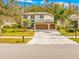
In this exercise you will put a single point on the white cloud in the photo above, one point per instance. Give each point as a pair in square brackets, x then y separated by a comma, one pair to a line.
[42, 2]
[65, 4]
[20, 0]
[50, 1]
[29, 1]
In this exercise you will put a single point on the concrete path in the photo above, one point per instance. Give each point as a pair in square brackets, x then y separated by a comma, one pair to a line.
[23, 51]
[72, 36]
[50, 37]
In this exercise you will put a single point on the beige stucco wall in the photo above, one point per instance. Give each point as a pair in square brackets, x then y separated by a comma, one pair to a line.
[46, 18]
[49, 17]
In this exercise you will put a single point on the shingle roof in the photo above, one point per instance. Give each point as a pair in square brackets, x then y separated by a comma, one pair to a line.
[35, 13]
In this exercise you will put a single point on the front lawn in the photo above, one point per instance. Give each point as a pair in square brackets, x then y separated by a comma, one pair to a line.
[74, 39]
[13, 41]
[28, 33]
[17, 32]
[63, 32]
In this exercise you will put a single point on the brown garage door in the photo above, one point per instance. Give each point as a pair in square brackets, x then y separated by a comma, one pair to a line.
[41, 26]
[52, 26]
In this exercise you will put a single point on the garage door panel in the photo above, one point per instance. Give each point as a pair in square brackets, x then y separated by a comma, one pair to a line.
[41, 26]
[52, 26]
[44, 26]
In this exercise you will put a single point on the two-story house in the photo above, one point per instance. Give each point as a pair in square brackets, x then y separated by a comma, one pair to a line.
[43, 20]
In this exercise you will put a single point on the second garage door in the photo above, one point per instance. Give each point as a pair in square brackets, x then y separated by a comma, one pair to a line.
[52, 26]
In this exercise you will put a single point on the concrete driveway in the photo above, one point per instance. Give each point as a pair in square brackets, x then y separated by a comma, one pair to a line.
[50, 37]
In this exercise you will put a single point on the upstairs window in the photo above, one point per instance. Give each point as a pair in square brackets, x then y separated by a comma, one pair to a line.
[41, 16]
[32, 16]
[25, 17]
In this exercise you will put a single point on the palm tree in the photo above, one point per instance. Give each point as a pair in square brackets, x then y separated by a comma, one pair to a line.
[59, 13]
[11, 3]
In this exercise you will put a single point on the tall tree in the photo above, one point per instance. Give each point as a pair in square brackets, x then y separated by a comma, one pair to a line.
[59, 13]
[1, 3]
[11, 3]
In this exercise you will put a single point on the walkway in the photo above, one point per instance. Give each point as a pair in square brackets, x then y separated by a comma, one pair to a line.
[50, 37]
[72, 36]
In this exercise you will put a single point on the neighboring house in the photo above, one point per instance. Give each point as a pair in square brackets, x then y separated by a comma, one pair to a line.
[43, 20]
[75, 17]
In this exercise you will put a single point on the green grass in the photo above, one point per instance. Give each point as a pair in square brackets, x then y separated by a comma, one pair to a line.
[17, 32]
[74, 39]
[63, 32]
[14, 41]
[29, 33]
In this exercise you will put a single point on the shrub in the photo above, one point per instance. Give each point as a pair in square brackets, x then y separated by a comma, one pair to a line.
[2, 30]
[6, 26]
[14, 26]
[8, 30]
[58, 27]
[19, 25]
[70, 30]
[71, 27]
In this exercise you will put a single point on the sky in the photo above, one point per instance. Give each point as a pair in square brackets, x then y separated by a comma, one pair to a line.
[41, 2]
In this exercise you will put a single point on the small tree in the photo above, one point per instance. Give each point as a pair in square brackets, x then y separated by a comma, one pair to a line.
[27, 23]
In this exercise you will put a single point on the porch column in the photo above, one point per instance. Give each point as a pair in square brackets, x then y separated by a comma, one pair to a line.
[56, 27]
[48, 26]
[34, 26]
